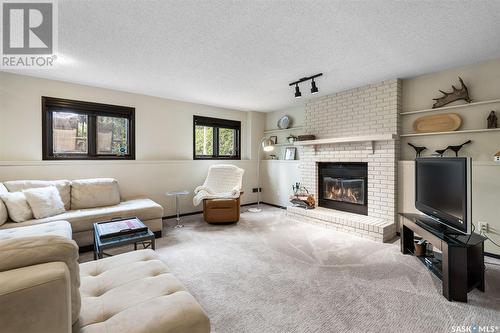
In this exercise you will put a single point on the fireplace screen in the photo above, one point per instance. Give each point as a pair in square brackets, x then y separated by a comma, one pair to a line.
[343, 189]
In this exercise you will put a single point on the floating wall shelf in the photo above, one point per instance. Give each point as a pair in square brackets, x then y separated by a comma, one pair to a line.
[484, 130]
[283, 130]
[283, 144]
[362, 138]
[280, 161]
[407, 113]
[349, 139]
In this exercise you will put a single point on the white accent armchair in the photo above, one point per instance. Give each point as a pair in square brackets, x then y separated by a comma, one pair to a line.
[220, 194]
[223, 181]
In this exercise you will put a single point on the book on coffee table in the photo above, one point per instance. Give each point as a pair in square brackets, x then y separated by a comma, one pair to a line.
[121, 227]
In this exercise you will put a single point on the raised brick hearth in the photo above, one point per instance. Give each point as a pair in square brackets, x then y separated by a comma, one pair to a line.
[368, 227]
[368, 110]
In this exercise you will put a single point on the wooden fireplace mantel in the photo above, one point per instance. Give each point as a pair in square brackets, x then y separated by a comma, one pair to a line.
[348, 139]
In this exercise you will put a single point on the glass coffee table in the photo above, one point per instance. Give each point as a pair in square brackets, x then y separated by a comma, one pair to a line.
[146, 238]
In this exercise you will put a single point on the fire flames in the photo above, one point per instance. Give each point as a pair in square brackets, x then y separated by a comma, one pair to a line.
[340, 193]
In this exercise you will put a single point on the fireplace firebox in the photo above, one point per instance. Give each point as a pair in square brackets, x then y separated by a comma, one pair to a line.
[343, 186]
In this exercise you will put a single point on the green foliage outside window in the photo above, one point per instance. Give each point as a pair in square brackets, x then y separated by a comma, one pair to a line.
[226, 142]
[204, 141]
[112, 135]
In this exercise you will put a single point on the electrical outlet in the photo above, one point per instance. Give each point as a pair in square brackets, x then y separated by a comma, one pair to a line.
[483, 226]
[255, 189]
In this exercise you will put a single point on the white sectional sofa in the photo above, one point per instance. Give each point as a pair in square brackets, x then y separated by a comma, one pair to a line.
[87, 201]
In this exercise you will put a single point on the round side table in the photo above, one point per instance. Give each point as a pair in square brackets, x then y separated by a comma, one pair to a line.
[177, 194]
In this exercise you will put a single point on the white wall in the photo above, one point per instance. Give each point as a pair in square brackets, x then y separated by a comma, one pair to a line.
[163, 140]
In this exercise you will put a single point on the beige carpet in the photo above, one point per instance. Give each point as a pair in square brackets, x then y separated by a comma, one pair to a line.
[271, 274]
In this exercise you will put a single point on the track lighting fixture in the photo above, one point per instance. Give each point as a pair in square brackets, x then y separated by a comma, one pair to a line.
[297, 91]
[314, 88]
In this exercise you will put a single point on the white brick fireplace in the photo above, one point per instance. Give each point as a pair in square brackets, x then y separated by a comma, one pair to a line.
[367, 116]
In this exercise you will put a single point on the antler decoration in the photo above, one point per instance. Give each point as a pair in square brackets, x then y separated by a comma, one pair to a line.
[455, 95]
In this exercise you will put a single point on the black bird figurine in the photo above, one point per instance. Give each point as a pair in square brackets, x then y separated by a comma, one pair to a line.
[442, 151]
[418, 150]
[456, 149]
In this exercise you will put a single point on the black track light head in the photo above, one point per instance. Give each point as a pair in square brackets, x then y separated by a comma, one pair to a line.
[314, 89]
[297, 91]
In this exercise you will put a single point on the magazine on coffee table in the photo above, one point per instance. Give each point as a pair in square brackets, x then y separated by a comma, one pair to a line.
[120, 228]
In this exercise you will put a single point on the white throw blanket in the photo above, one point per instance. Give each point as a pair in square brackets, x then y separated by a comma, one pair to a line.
[223, 181]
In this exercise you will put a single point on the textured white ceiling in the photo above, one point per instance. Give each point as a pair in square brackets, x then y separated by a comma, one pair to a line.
[243, 54]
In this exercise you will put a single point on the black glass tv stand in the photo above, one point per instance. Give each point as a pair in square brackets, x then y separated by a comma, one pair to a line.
[461, 266]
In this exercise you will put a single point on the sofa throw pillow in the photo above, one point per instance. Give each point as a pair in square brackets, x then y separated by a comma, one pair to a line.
[4, 215]
[44, 201]
[91, 193]
[63, 185]
[17, 206]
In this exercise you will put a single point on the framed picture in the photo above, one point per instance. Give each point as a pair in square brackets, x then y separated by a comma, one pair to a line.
[274, 139]
[290, 153]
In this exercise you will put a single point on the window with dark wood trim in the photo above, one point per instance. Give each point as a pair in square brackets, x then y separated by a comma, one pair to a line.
[76, 130]
[216, 139]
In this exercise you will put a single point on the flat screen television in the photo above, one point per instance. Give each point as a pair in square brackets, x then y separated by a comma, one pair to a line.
[443, 191]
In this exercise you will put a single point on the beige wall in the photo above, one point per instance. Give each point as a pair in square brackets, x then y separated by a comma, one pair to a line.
[163, 126]
[150, 179]
[296, 113]
[277, 179]
[163, 140]
[279, 176]
[483, 82]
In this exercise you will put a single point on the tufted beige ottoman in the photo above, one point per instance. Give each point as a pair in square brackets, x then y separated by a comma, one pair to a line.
[134, 292]
[56, 228]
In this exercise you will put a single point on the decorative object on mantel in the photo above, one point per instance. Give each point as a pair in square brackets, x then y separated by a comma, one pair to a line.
[274, 139]
[272, 157]
[302, 198]
[456, 149]
[455, 95]
[306, 137]
[492, 120]
[441, 152]
[290, 153]
[437, 123]
[418, 150]
[284, 122]
[496, 158]
[291, 138]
